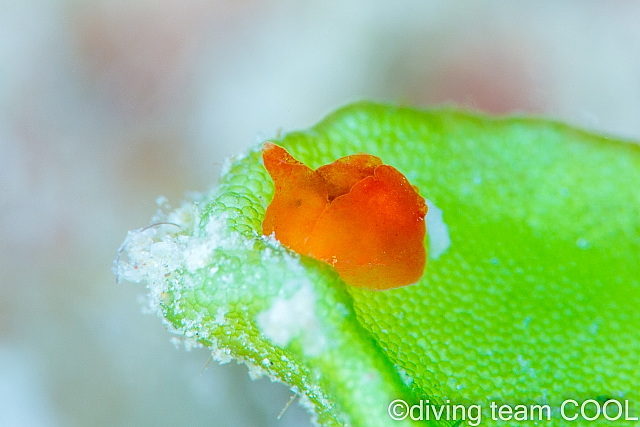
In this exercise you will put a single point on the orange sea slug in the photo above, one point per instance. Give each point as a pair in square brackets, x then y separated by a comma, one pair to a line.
[362, 217]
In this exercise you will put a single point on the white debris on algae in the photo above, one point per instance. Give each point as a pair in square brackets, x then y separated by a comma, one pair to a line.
[153, 253]
[289, 318]
[437, 230]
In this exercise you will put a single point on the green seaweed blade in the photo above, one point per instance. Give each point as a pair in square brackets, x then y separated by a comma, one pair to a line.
[532, 298]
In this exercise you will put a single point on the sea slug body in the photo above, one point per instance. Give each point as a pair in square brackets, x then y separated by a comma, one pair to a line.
[357, 214]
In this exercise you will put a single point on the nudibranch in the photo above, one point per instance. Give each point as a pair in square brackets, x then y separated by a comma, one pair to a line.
[357, 214]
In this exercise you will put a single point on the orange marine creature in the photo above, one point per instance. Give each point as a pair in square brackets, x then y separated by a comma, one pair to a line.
[360, 216]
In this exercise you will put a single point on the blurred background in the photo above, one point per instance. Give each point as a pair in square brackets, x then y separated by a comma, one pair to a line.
[106, 105]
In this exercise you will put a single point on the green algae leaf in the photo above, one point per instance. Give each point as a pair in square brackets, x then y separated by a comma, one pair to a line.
[530, 296]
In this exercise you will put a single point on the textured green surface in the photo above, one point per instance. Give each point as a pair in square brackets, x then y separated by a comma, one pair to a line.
[535, 301]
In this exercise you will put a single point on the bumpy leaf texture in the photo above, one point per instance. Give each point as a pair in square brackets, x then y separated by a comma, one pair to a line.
[530, 295]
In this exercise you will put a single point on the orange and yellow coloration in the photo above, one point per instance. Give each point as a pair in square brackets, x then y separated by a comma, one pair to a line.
[362, 217]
